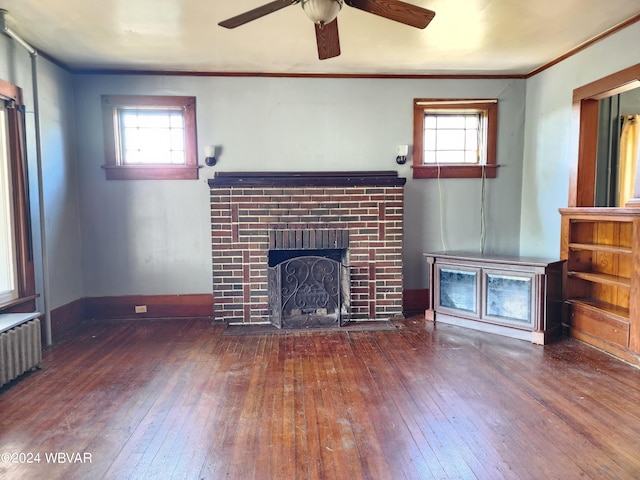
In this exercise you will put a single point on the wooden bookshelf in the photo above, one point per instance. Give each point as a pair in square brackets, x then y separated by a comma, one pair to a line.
[601, 247]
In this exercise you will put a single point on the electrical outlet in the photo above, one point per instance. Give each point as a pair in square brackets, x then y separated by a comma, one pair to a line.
[141, 308]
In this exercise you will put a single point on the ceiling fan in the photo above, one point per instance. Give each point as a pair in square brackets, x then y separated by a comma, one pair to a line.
[324, 15]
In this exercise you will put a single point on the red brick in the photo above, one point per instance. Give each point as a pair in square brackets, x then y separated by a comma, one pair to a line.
[373, 215]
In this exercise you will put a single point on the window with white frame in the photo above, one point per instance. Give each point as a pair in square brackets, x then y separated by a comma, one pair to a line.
[152, 137]
[149, 137]
[454, 138]
[8, 257]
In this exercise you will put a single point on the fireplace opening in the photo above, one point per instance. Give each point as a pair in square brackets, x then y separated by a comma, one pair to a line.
[308, 288]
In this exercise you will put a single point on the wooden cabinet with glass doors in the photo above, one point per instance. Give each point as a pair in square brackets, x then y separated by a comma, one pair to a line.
[602, 250]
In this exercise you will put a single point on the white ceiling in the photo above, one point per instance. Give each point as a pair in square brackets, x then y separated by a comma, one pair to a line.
[493, 37]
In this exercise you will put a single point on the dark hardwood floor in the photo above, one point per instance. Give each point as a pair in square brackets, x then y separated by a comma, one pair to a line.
[177, 399]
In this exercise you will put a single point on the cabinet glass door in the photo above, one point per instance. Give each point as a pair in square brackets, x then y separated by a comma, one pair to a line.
[508, 297]
[458, 289]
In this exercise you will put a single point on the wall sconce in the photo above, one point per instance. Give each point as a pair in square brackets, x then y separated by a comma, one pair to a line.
[210, 155]
[403, 150]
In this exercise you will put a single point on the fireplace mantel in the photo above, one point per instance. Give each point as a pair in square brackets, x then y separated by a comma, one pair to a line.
[387, 178]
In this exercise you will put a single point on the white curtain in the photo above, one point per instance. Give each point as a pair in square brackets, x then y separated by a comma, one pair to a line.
[628, 158]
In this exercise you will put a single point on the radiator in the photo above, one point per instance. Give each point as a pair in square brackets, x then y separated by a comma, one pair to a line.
[20, 350]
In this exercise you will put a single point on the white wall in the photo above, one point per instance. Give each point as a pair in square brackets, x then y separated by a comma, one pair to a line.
[64, 249]
[152, 237]
[630, 102]
[548, 124]
[60, 182]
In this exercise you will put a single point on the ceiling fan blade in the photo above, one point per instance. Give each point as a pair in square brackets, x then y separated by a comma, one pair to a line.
[402, 12]
[256, 13]
[328, 40]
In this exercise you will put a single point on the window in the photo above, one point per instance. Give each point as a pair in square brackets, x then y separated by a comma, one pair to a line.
[149, 137]
[8, 266]
[454, 139]
[17, 281]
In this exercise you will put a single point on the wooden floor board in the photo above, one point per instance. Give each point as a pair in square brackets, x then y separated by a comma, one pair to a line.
[178, 399]
[407, 447]
[565, 405]
[428, 400]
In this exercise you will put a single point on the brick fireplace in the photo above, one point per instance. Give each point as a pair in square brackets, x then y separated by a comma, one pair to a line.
[255, 213]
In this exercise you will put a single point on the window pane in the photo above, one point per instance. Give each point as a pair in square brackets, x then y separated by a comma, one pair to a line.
[177, 120]
[177, 140]
[131, 138]
[8, 271]
[429, 156]
[153, 120]
[471, 140]
[430, 139]
[128, 119]
[163, 157]
[451, 121]
[450, 140]
[448, 156]
[453, 137]
[152, 137]
[472, 121]
[177, 158]
[132, 156]
[471, 156]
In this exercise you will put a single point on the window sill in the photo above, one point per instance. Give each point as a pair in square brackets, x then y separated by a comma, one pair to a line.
[151, 172]
[455, 171]
[19, 305]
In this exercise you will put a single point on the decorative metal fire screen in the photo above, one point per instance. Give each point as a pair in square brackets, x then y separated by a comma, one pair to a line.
[309, 291]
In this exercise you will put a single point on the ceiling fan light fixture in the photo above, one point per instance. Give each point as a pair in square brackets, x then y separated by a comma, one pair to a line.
[322, 12]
